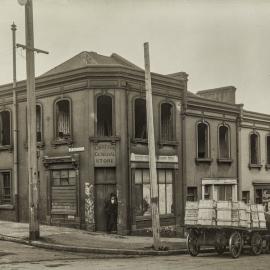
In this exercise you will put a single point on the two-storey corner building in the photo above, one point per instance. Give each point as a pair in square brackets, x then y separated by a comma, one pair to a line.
[92, 141]
[254, 156]
[211, 162]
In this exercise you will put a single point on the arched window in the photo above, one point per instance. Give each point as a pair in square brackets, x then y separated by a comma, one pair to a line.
[166, 122]
[202, 140]
[224, 142]
[254, 149]
[39, 122]
[63, 119]
[140, 119]
[5, 128]
[104, 116]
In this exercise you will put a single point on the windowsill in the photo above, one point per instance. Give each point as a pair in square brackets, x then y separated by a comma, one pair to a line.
[58, 141]
[225, 160]
[40, 145]
[6, 148]
[255, 166]
[141, 218]
[137, 140]
[104, 138]
[169, 143]
[204, 160]
[7, 206]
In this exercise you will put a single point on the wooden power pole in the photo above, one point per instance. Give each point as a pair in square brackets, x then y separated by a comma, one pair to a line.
[152, 151]
[31, 120]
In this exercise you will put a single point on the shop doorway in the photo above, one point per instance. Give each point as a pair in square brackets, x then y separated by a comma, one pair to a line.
[105, 184]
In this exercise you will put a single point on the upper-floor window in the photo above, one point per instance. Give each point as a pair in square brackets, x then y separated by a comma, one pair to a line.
[254, 148]
[104, 116]
[5, 128]
[63, 119]
[5, 188]
[202, 140]
[224, 142]
[166, 122]
[39, 122]
[268, 150]
[140, 119]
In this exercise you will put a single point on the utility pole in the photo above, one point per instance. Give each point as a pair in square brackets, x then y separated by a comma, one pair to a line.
[31, 120]
[152, 152]
[14, 120]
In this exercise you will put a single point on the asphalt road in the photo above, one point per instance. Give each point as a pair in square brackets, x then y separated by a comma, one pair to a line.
[16, 256]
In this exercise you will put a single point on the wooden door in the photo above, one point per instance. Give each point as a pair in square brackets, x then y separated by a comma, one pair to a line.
[105, 184]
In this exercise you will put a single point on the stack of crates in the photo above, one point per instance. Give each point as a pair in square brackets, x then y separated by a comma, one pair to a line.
[207, 212]
[191, 213]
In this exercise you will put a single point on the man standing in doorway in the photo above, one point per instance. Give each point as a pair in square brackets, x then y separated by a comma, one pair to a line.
[111, 213]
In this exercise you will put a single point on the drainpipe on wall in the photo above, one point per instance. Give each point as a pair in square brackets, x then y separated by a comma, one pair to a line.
[15, 131]
[183, 144]
[238, 151]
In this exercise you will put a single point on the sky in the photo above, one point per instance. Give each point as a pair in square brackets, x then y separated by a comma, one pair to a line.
[217, 42]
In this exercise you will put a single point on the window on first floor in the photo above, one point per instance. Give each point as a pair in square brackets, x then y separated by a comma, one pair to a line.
[254, 149]
[192, 194]
[39, 122]
[202, 140]
[246, 196]
[166, 121]
[224, 143]
[5, 128]
[142, 191]
[63, 119]
[268, 149]
[140, 119]
[5, 188]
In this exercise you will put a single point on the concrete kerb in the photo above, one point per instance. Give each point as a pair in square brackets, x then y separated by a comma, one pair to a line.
[106, 251]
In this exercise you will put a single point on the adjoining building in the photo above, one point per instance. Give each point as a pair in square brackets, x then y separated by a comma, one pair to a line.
[92, 141]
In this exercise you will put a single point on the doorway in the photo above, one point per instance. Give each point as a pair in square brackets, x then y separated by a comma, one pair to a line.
[105, 184]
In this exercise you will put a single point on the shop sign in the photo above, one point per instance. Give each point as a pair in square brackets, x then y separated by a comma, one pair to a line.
[145, 158]
[76, 149]
[104, 155]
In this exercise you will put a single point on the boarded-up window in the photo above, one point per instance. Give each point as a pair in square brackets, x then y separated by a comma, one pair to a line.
[5, 128]
[63, 119]
[5, 188]
[64, 194]
[224, 144]
[166, 122]
[140, 119]
[202, 140]
[254, 149]
[142, 192]
[104, 116]
[39, 123]
[268, 149]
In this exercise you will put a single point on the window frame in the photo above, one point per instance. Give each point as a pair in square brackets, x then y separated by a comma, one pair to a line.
[8, 146]
[58, 140]
[222, 159]
[258, 164]
[141, 140]
[208, 158]
[11, 204]
[161, 139]
[113, 114]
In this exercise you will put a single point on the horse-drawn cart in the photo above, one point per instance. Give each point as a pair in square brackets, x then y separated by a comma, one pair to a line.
[221, 237]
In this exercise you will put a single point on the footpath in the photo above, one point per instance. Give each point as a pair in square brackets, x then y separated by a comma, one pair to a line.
[75, 240]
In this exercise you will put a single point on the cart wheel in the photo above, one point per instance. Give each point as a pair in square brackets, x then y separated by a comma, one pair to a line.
[192, 244]
[235, 244]
[256, 244]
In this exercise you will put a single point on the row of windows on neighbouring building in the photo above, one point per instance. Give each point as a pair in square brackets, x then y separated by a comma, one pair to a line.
[203, 144]
[104, 120]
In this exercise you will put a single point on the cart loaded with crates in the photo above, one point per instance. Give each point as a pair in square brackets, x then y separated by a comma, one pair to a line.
[226, 224]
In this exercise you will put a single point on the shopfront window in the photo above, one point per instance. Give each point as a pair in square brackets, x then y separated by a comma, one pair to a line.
[5, 188]
[142, 192]
[262, 196]
[224, 192]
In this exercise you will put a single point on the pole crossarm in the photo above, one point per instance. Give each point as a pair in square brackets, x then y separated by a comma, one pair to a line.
[18, 45]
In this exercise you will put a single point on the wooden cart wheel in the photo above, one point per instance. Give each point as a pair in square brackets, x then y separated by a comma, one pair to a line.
[256, 244]
[235, 244]
[192, 244]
